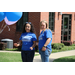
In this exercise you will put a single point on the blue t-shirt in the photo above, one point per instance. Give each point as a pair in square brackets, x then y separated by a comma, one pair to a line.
[43, 37]
[27, 40]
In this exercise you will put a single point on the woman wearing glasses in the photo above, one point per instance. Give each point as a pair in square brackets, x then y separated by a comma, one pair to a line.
[28, 41]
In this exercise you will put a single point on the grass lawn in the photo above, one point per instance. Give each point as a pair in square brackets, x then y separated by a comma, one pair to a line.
[10, 57]
[65, 59]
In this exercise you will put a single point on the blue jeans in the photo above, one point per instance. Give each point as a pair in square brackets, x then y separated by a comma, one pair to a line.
[27, 56]
[45, 55]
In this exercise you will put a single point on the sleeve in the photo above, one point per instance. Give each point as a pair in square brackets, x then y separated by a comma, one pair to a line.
[34, 38]
[48, 34]
[20, 37]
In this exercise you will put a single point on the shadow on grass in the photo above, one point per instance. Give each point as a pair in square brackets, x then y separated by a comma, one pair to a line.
[65, 60]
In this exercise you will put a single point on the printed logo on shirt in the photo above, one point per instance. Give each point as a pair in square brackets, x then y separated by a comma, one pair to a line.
[40, 37]
[26, 38]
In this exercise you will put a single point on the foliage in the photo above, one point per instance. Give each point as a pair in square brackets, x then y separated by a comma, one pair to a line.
[73, 45]
[57, 46]
[2, 45]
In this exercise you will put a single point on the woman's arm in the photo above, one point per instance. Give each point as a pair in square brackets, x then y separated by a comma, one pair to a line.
[47, 42]
[34, 44]
[18, 44]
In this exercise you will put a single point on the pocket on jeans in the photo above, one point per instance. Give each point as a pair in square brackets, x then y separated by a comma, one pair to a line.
[46, 52]
[49, 51]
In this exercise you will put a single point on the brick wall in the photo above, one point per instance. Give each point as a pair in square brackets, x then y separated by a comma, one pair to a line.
[57, 29]
[44, 16]
[35, 18]
[73, 28]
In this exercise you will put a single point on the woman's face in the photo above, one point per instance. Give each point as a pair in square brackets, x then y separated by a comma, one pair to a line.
[43, 26]
[28, 27]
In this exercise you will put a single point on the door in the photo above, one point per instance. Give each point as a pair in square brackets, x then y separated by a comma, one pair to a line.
[66, 28]
[65, 25]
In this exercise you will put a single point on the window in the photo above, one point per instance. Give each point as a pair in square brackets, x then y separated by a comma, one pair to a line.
[20, 23]
[51, 20]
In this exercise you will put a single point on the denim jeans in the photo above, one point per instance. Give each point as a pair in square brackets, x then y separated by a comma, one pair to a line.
[45, 55]
[27, 56]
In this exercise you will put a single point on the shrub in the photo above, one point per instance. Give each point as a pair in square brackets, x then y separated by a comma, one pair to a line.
[73, 45]
[2, 45]
[57, 45]
[67, 43]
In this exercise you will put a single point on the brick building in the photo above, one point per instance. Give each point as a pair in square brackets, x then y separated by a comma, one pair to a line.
[62, 25]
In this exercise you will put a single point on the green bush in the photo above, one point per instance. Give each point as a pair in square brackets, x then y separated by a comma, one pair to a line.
[73, 45]
[57, 45]
[2, 45]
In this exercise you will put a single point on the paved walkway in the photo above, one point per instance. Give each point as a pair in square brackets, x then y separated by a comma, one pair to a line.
[56, 55]
[11, 51]
[52, 56]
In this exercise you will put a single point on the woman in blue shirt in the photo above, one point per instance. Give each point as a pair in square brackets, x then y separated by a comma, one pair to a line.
[45, 40]
[28, 41]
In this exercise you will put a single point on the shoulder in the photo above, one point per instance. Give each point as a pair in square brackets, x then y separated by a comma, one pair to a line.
[48, 30]
[33, 34]
[23, 33]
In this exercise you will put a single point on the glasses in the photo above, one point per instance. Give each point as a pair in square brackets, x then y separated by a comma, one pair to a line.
[28, 22]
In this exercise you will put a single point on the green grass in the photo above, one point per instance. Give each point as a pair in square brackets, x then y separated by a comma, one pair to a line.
[65, 59]
[14, 49]
[11, 57]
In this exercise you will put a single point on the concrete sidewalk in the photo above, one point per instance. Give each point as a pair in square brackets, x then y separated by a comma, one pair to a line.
[55, 55]
[11, 51]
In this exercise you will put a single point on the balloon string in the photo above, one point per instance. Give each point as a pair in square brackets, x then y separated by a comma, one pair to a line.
[2, 24]
[4, 28]
[8, 27]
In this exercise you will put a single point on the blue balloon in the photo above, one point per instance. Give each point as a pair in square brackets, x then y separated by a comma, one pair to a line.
[13, 16]
[2, 16]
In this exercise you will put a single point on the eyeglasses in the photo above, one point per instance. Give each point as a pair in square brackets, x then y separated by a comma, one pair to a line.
[28, 22]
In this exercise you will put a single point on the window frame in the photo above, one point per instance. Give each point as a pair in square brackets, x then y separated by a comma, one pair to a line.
[52, 25]
[19, 24]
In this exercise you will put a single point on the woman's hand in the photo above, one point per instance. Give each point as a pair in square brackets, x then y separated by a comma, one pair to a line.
[34, 44]
[31, 48]
[16, 45]
[43, 48]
